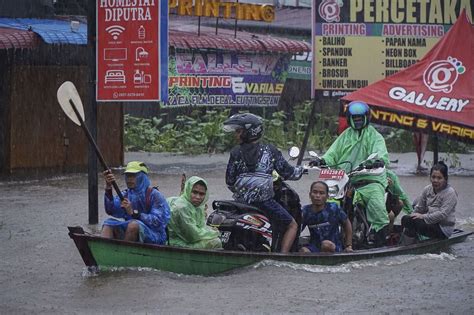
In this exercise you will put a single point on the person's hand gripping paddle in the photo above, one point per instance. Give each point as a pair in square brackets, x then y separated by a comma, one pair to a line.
[71, 104]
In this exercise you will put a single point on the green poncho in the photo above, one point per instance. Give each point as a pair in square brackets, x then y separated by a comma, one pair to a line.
[187, 227]
[355, 146]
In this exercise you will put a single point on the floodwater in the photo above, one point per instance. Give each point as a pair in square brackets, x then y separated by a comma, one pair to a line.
[42, 272]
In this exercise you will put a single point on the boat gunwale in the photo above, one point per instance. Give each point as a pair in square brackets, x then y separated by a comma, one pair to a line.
[278, 256]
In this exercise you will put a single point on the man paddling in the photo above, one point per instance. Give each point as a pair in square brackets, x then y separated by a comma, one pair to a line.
[144, 209]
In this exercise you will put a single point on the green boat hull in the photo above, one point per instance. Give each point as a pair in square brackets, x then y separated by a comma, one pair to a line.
[111, 255]
[106, 253]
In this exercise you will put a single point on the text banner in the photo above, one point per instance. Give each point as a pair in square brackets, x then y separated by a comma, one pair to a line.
[226, 79]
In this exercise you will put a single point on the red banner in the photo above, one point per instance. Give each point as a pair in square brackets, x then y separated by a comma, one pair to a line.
[434, 95]
[130, 42]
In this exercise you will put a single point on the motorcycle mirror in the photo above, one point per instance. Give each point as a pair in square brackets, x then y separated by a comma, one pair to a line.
[372, 156]
[294, 152]
[313, 154]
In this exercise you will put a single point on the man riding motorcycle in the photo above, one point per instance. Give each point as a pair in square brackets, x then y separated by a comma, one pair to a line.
[355, 144]
[249, 173]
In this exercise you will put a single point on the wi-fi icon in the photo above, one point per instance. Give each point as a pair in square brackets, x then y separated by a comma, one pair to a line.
[115, 30]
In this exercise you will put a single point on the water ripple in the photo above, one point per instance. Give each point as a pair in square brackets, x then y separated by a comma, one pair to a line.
[345, 268]
[466, 221]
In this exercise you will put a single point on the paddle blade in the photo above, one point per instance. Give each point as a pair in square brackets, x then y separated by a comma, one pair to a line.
[66, 92]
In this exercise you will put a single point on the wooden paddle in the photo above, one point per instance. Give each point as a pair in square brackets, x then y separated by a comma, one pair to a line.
[71, 104]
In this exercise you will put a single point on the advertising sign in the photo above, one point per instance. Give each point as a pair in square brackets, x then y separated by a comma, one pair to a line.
[226, 79]
[359, 42]
[300, 67]
[223, 9]
[435, 95]
[132, 50]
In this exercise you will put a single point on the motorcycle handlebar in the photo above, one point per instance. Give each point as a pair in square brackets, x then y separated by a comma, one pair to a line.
[359, 168]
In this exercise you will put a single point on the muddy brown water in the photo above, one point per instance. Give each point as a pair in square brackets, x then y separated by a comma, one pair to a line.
[42, 272]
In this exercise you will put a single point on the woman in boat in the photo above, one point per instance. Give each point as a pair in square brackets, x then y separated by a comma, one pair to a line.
[323, 220]
[187, 226]
[144, 208]
[434, 213]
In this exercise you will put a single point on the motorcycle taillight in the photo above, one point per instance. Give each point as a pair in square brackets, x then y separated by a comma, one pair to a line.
[215, 219]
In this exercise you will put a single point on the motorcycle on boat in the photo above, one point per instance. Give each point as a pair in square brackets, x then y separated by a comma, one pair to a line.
[244, 227]
[247, 228]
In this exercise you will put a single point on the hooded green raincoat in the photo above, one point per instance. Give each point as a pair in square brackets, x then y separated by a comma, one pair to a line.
[355, 146]
[187, 226]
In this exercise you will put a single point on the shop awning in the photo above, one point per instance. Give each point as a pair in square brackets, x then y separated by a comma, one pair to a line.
[16, 39]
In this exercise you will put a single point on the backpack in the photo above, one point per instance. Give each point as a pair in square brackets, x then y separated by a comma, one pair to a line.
[148, 196]
[148, 205]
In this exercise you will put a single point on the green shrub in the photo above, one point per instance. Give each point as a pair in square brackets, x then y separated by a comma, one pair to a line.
[192, 134]
[201, 132]
[140, 133]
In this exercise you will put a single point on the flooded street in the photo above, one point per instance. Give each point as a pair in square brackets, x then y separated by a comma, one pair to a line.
[41, 270]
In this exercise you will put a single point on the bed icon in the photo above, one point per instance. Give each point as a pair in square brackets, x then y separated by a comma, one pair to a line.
[115, 76]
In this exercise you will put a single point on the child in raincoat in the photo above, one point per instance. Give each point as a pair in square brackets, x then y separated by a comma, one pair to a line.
[144, 209]
[187, 226]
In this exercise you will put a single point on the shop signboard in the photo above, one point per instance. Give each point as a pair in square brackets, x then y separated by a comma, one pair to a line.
[356, 43]
[300, 67]
[209, 78]
[132, 50]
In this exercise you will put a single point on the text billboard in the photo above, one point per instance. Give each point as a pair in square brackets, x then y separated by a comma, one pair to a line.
[358, 42]
[226, 79]
[132, 50]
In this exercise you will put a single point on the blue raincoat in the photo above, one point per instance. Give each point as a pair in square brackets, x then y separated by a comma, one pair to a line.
[152, 221]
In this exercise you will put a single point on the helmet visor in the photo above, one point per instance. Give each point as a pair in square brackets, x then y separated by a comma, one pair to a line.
[231, 128]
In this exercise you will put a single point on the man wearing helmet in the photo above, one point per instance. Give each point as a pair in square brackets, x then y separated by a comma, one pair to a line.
[355, 144]
[249, 173]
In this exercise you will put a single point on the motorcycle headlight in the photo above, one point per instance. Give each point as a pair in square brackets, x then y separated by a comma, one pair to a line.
[333, 190]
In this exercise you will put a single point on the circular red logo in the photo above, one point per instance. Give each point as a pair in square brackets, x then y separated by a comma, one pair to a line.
[441, 75]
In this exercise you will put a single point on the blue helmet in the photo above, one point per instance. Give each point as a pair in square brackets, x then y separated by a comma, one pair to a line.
[358, 115]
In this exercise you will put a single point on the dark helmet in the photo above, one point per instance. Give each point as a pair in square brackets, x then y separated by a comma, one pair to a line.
[358, 115]
[250, 123]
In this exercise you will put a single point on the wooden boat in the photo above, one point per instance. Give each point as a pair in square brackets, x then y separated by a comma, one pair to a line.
[100, 252]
